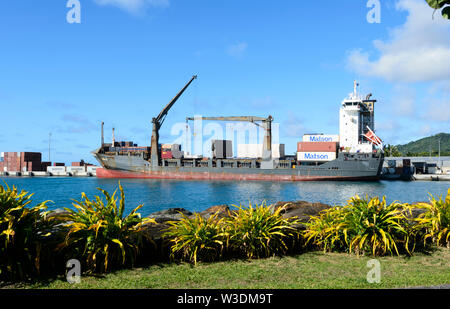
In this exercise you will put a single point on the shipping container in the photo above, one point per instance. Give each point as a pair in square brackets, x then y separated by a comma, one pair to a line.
[74, 169]
[254, 151]
[316, 156]
[317, 147]
[56, 169]
[320, 138]
[222, 149]
[166, 155]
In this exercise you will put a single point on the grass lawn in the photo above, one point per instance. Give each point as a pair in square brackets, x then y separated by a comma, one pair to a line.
[305, 271]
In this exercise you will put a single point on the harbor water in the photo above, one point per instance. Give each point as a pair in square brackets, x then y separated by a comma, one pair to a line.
[158, 195]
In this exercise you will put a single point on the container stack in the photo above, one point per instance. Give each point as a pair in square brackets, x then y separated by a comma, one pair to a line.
[318, 148]
[171, 151]
[166, 151]
[22, 162]
[222, 149]
[176, 151]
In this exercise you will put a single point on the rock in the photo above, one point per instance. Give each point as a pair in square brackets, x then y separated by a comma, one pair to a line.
[155, 231]
[58, 213]
[301, 209]
[172, 214]
[222, 211]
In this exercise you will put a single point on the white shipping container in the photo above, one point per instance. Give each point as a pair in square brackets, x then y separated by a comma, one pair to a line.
[76, 169]
[91, 168]
[255, 151]
[56, 169]
[316, 156]
[321, 138]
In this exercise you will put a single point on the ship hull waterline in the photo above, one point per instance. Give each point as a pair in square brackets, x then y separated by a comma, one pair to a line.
[223, 176]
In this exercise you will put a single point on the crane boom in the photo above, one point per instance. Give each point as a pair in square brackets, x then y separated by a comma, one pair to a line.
[267, 147]
[158, 121]
[162, 115]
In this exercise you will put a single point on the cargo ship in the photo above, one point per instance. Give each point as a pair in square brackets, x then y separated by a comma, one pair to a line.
[356, 153]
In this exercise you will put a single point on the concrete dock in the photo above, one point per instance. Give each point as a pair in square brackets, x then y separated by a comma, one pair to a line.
[432, 177]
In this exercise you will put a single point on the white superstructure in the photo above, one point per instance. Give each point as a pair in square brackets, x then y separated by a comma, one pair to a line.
[356, 116]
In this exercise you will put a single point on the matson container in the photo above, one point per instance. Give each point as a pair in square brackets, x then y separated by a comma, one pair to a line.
[320, 138]
[316, 156]
[317, 147]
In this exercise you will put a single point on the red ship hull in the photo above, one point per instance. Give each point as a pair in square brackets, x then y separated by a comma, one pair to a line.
[108, 173]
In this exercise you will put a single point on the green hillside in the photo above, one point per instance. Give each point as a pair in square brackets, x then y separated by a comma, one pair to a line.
[422, 146]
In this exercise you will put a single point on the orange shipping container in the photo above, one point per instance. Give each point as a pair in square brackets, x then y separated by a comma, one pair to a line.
[317, 147]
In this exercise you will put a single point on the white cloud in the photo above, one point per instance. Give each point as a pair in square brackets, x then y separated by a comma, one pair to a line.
[417, 51]
[403, 100]
[237, 50]
[438, 110]
[134, 6]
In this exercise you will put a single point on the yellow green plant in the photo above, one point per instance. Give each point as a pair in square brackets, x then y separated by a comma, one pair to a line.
[99, 231]
[435, 221]
[259, 231]
[363, 225]
[326, 230]
[373, 226]
[23, 234]
[196, 238]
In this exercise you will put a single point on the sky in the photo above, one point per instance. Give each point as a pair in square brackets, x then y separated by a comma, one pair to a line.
[294, 60]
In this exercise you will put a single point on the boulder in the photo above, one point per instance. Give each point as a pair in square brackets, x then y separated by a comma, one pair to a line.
[172, 214]
[155, 231]
[222, 211]
[301, 209]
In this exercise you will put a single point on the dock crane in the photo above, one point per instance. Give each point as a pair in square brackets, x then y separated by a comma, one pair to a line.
[157, 123]
[266, 124]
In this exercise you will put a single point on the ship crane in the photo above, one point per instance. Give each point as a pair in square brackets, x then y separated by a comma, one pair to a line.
[157, 123]
[267, 125]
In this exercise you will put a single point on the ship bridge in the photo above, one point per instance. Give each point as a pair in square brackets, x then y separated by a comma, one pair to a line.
[356, 119]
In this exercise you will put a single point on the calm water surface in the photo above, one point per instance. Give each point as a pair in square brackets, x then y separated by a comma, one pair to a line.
[198, 195]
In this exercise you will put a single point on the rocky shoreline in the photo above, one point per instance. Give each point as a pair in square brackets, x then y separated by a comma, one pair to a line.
[301, 210]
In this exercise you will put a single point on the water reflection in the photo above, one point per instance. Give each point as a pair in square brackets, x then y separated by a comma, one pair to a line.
[199, 195]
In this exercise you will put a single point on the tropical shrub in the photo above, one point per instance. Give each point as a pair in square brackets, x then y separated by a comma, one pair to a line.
[373, 226]
[197, 238]
[362, 226]
[325, 230]
[434, 224]
[23, 234]
[98, 231]
[259, 231]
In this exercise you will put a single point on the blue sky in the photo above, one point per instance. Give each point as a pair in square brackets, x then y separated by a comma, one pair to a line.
[295, 60]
